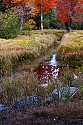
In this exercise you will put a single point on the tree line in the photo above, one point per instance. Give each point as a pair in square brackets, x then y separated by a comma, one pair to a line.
[65, 11]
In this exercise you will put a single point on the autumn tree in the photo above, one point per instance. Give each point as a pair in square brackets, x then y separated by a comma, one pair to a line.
[23, 6]
[43, 6]
[68, 9]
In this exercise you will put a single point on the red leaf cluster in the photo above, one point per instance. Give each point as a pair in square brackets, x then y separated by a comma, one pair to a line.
[67, 9]
[45, 5]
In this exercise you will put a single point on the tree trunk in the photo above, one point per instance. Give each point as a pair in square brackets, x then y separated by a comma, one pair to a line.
[21, 17]
[0, 5]
[67, 26]
[41, 15]
[21, 22]
[81, 26]
[70, 23]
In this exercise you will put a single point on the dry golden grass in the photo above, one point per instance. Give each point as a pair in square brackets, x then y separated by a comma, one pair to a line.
[22, 44]
[72, 45]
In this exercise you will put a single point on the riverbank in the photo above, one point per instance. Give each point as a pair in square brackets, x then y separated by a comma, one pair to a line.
[71, 47]
[28, 46]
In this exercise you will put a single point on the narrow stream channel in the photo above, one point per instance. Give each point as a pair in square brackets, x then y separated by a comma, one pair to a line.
[45, 68]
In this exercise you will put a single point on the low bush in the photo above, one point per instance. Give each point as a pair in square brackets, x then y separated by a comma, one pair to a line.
[27, 27]
[45, 24]
[9, 26]
[77, 25]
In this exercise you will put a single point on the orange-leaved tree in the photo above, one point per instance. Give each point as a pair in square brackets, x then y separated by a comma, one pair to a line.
[43, 6]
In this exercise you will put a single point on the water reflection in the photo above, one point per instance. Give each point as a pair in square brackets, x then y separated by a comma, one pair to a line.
[48, 70]
[53, 61]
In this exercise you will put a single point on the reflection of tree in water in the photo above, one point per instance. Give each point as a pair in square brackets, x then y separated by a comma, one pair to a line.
[48, 70]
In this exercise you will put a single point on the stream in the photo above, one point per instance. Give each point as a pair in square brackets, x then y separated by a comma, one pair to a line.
[45, 68]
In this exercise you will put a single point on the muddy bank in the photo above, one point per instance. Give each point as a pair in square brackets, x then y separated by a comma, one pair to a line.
[61, 114]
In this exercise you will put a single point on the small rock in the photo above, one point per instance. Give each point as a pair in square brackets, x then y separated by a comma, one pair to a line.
[5, 111]
[65, 93]
[20, 104]
[3, 107]
[34, 101]
[48, 100]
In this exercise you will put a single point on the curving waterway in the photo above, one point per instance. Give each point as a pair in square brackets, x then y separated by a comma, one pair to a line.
[45, 68]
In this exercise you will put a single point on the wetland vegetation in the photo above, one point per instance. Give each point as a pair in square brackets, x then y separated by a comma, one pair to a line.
[21, 62]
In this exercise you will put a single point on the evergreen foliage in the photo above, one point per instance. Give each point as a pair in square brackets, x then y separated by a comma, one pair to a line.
[9, 25]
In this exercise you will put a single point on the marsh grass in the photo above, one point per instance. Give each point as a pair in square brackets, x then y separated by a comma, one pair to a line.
[21, 86]
[24, 47]
[71, 47]
[13, 88]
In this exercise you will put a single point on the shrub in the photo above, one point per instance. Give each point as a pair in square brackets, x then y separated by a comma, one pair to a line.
[9, 25]
[77, 25]
[45, 24]
[27, 27]
[55, 23]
